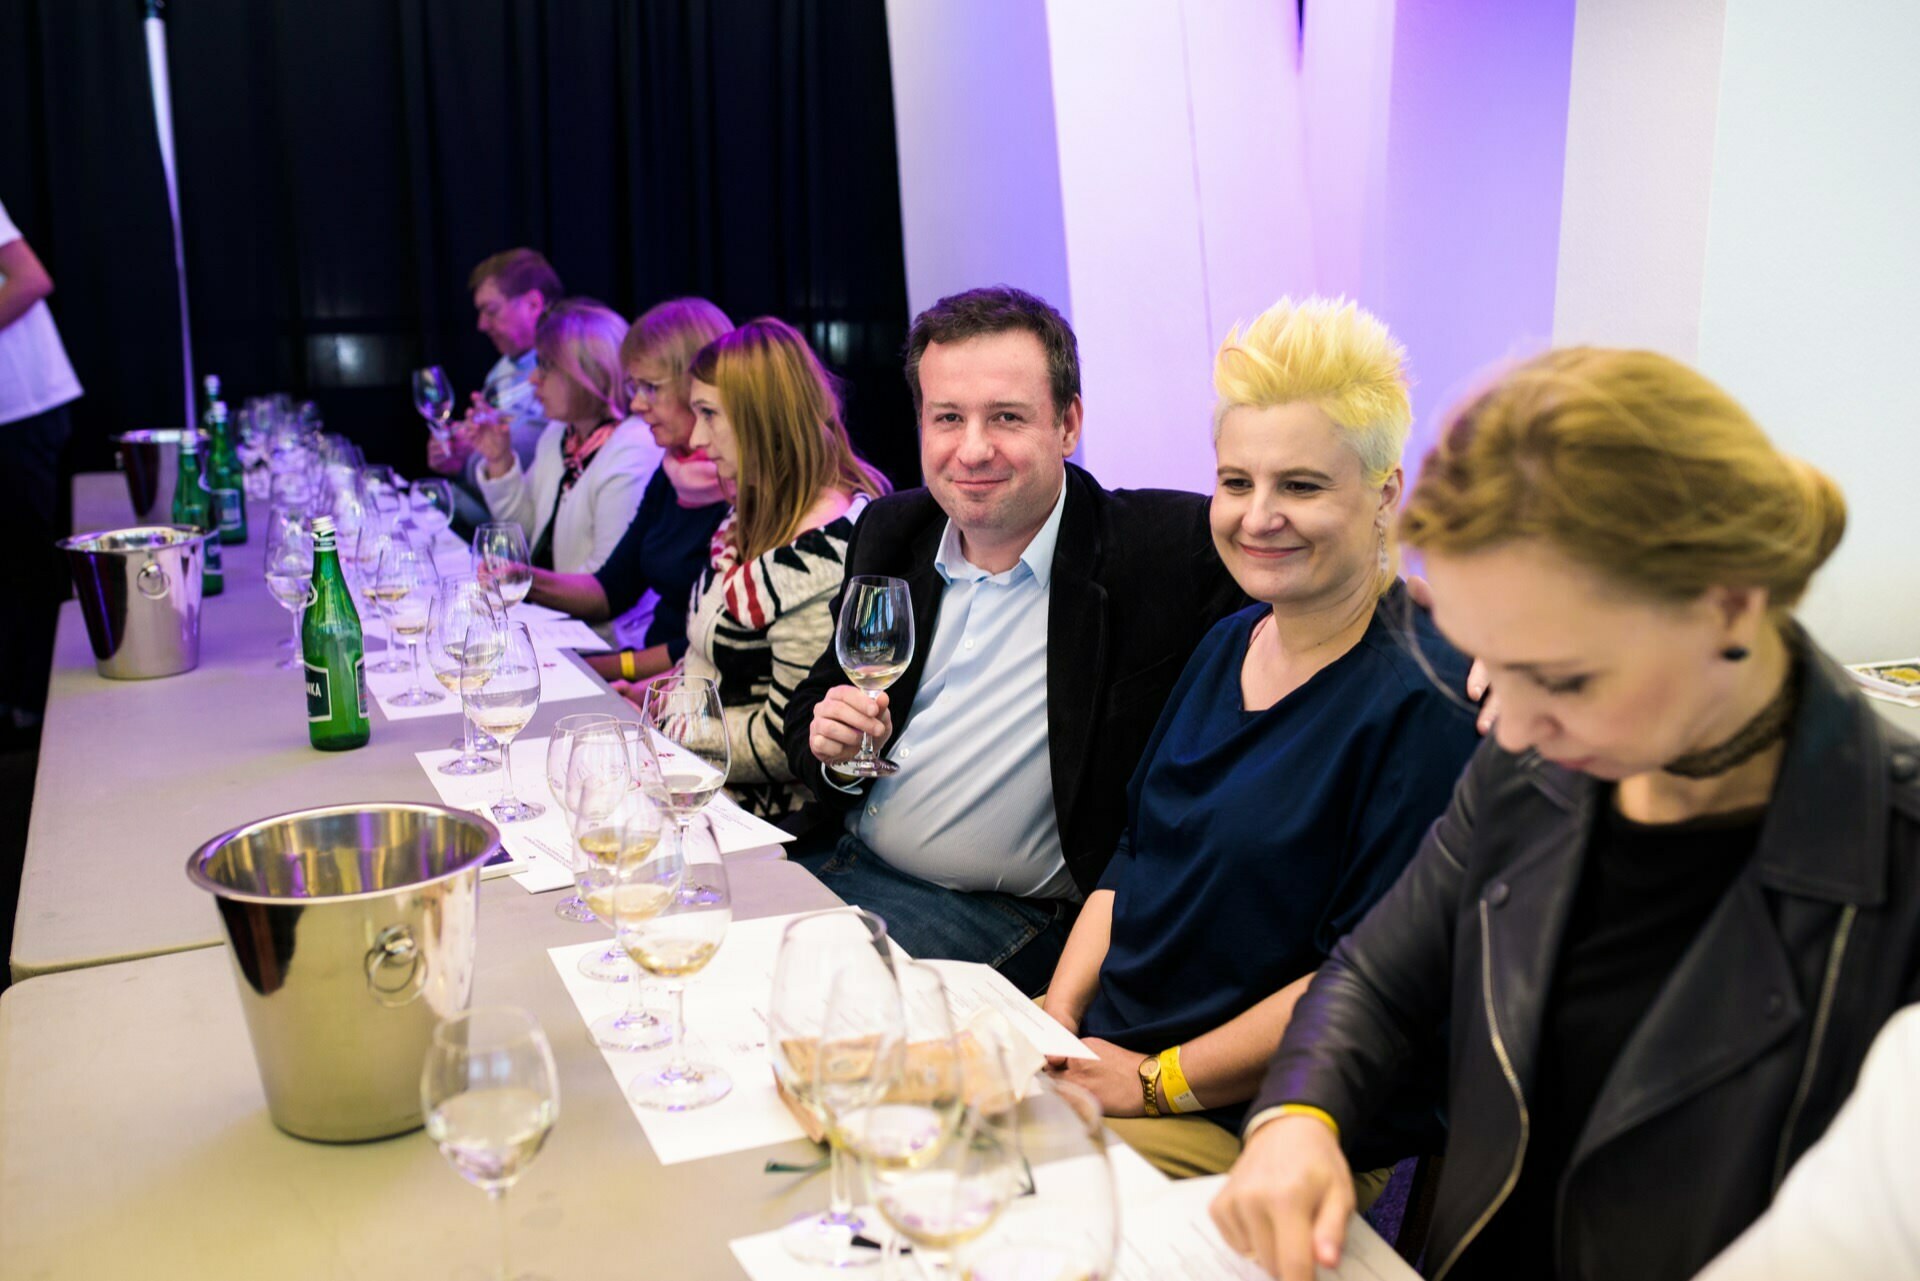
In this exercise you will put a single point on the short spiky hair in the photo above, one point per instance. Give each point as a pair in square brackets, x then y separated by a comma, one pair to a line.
[1327, 353]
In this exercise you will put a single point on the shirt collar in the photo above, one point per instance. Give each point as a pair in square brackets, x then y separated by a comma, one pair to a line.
[952, 562]
[526, 360]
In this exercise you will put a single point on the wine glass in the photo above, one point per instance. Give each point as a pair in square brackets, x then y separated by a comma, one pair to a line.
[289, 572]
[597, 779]
[404, 585]
[1070, 1224]
[848, 948]
[953, 1191]
[491, 1096]
[501, 560]
[460, 607]
[433, 399]
[874, 643]
[430, 506]
[376, 535]
[503, 700]
[559, 754]
[672, 935]
[616, 874]
[690, 750]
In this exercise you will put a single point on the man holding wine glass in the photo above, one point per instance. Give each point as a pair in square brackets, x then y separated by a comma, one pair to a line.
[1012, 768]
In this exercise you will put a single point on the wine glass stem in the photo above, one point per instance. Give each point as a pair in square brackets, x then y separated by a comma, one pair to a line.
[636, 1004]
[499, 1198]
[511, 798]
[866, 742]
[679, 1066]
[413, 652]
[839, 1193]
[299, 650]
[467, 749]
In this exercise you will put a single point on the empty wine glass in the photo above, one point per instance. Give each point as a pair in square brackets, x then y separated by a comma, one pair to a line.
[376, 535]
[503, 701]
[491, 1096]
[617, 874]
[289, 572]
[430, 506]
[874, 643]
[559, 754]
[461, 607]
[501, 560]
[691, 750]
[672, 935]
[1069, 1225]
[433, 399]
[848, 948]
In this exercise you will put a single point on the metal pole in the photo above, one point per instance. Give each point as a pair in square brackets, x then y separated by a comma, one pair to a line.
[156, 20]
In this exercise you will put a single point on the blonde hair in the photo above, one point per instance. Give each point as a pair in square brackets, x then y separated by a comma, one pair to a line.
[581, 339]
[785, 413]
[673, 332]
[1635, 466]
[1332, 355]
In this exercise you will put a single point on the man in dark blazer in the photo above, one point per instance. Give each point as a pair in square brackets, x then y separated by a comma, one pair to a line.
[1052, 618]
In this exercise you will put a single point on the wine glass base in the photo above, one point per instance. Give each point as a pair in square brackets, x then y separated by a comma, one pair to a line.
[606, 966]
[418, 698]
[877, 767]
[574, 908]
[626, 1031]
[464, 765]
[286, 642]
[694, 1085]
[826, 1241]
[513, 811]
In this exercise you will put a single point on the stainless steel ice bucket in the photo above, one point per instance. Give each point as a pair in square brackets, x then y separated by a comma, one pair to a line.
[351, 931]
[151, 460]
[139, 591]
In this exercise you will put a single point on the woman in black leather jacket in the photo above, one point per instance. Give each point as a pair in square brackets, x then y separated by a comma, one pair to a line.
[1673, 900]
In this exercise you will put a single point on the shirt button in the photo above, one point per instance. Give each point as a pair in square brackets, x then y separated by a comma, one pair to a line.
[905, 752]
[969, 642]
[1497, 893]
[873, 809]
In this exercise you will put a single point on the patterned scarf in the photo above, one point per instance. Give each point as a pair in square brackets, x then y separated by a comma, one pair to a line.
[737, 587]
[576, 455]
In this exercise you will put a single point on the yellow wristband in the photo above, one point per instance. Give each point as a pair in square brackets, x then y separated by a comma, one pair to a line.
[1307, 1109]
[1179, 1093]
[627, 669]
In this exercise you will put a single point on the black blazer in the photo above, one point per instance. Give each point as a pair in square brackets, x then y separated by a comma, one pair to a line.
[1136, 584]
[1738, 1065]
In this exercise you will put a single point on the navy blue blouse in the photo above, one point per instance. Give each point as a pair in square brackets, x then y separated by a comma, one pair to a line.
[665, 548]
[1256, 839]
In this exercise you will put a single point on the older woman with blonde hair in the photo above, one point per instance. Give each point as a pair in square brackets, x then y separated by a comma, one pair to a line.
[664, 549]
[591, 463]
[1300, 757]
[1673, 899]
[768, 414]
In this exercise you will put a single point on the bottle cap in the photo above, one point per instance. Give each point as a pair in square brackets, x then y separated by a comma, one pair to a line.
[323, 524]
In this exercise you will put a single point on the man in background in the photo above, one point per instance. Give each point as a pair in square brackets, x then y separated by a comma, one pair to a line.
[36, 385]
[510, 291]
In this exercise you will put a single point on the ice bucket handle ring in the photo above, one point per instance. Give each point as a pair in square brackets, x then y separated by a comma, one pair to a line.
[152, 580]
[395, 946]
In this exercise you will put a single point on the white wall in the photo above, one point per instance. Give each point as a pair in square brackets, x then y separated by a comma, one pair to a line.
[1812, 280]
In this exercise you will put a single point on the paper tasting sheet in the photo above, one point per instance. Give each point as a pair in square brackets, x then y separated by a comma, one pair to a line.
[1176, 1241]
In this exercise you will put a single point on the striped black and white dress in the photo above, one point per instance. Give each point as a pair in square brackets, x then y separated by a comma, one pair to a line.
[758, 628]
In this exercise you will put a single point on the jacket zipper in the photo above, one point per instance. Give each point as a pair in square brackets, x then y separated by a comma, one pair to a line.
[1822, 1016]
[1513, 1084]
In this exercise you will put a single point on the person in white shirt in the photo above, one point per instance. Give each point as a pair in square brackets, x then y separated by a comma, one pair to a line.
[593, 461]
[1847, 1208]
[36, 385]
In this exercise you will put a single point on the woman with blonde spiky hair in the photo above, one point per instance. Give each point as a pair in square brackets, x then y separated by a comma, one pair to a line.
[1301, 755]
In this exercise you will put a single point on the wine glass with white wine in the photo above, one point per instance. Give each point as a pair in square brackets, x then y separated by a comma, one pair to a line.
[403, 587]
[672, 935]
[874, 642]
[687, 751]
[501, 560]
[458, 606]
[616, 874]
[503, 703]
[491, 1096]
[559, 757]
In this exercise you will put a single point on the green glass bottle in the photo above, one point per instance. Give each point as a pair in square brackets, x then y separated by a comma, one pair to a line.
[193, 505]
[209, 395]
[224, 476]
[330, 642]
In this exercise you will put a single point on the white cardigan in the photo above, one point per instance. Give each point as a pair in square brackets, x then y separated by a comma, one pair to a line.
[595, 512]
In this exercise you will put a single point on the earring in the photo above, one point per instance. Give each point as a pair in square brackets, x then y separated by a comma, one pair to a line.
[1735, 653]
[1386, 562]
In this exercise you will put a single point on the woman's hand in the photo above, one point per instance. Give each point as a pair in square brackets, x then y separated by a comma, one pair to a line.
[838, 720]
[1113, 1078]
[1288, 1198]
[492, 439]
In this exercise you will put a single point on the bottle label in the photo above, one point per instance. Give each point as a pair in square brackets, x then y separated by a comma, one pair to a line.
[319, 694]
[360, 678]
[214, 562]
[230, 509]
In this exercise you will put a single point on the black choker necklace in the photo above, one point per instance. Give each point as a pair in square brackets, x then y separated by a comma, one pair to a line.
[1768, 727]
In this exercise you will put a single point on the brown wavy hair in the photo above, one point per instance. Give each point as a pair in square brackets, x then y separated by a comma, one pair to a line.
[785, 411]
[673, 332]
[1633, 465]
[581, 339]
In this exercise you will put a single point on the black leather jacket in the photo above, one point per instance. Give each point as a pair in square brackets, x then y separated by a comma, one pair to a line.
[1739, 1064]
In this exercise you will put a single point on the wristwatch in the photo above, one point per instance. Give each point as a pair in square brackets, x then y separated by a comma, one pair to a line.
[1149, 1080]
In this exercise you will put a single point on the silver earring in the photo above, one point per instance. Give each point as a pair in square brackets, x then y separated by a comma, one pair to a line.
[1386, 562]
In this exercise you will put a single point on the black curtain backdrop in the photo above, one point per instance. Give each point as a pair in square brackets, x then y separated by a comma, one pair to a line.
[344, 163]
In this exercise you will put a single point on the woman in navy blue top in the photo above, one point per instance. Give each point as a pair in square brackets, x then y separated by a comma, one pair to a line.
[1307, 747]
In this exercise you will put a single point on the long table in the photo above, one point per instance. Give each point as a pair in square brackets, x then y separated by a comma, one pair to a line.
[135, 775]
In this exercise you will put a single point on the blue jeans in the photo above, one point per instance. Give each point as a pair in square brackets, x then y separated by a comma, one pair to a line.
[1020, 937]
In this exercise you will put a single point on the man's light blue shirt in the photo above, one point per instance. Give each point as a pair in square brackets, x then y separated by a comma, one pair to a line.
[972, 805]
[509, 388]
